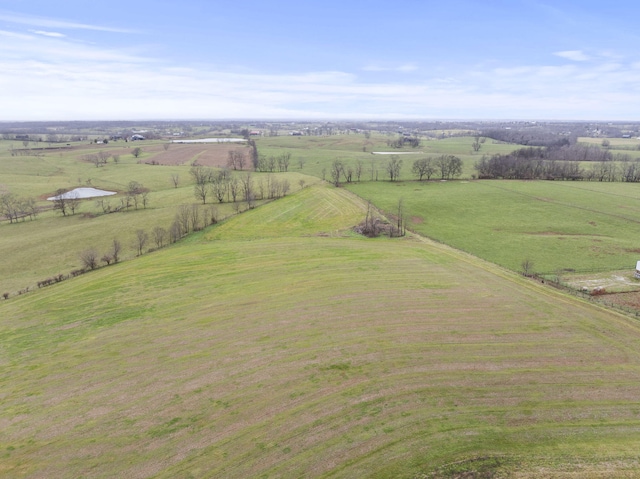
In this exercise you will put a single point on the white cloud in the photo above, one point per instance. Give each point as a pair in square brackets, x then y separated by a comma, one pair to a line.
[51, 78]
[573, 55]
[376, 67]
[36, 21]
[48, 34]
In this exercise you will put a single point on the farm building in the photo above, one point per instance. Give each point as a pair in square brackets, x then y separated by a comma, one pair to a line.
[637, 274]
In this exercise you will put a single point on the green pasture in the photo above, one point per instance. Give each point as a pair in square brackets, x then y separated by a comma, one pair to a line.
[280, 344]
[318, 153]
[626, 145]
[51, 244]
[583, 226]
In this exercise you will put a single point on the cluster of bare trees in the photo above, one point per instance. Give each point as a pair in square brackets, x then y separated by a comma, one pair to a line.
[14, 207]
[424, 168]
[236, 160]
[188, 219]
[373, 225]
[273, 163]
[101, 158]
[91, 259]
[224, 186]
[445, 166]
[339, 169]
[477, 142]
[402, 140]
[136, 196]
[25, 151]
[65, 202]
[561, 163]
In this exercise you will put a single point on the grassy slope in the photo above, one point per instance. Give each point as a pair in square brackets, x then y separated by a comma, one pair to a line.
[558, 225]
[275, 346]
[35, 250]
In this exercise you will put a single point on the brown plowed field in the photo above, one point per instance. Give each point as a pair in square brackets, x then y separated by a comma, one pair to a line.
[205, 154]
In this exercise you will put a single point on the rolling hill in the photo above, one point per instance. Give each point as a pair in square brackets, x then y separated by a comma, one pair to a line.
[281, 344]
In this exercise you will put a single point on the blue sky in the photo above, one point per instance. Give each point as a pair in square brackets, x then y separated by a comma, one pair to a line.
[408, 59]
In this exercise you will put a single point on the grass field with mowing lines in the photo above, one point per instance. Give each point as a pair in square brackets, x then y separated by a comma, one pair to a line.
[301, 355]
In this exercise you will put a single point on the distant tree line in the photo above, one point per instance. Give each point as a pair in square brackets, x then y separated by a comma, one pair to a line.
[405, 139]
[562, 163]
[532, 136]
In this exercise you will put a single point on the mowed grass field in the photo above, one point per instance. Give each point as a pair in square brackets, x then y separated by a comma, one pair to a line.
[279, 344]
[583, 226]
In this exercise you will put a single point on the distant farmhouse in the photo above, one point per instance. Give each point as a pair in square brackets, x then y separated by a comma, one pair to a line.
[137, 137]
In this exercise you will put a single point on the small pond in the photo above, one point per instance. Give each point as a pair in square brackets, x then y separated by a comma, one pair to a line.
[82, 193]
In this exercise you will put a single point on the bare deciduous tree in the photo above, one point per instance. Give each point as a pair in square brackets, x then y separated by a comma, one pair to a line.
[183, 217]
[89, 258]
[283, 161]
[370, 226]
[220, 186]
[236, 159]
[9, 206]
[116, 248]
[476, 145]
[136, 152]
[159, 236]
[401, 228]
[103, 157]
[527, 267]
[212, 215]
[175, 179]
[248, 191]
[337, 169]
[423, 168]
[175, 231]
[141, 240]
[195, 218]
[359, 169]
[271, 163]
[284, 186]
[449, 166]
[60, 202]
[74, 203]
[393, 167]
[134, 193]
[234, 187]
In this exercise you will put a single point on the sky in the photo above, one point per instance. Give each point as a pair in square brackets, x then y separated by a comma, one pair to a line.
[327, 60]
